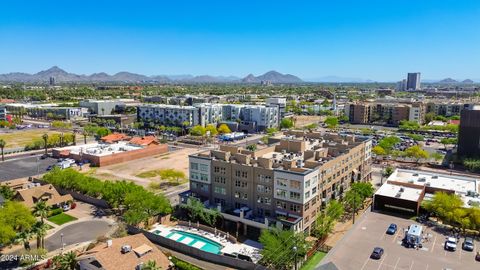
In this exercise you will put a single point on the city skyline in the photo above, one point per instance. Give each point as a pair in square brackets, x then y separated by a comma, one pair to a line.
[369, 41]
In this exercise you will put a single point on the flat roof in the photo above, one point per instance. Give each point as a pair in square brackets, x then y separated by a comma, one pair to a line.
[102, 149]
[460, 184]
[399, 192]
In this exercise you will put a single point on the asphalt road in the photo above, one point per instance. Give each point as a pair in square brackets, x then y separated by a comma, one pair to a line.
[24, 167]
[77, 233]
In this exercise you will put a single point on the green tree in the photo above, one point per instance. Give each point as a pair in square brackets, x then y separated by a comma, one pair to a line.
[151, 265]
[388, 171]
[14, 218]
[212, 129]
[388, 143]
[40, 230]
[6, 192]
[443, 205]
[2, 146]
[278, 248]
[67, 261]
[197, 131]
[416, 152]
[41, 210]
[198, 212]
[379, 151]
[286, 123]
[429, 117]
[45, 142]
[447, 141]
[331, 122]
[24, 239]
[409, 125]
[223, 128]
[252, 147]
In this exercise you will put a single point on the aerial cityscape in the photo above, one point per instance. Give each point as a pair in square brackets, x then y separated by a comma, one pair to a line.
[240, 135]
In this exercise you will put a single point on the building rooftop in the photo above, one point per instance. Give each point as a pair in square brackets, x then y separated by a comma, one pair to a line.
[400, 192]
[101, 149]
[460, 184]
[47, 193]
[111, 257]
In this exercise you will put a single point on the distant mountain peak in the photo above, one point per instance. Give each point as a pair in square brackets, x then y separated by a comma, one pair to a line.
[448, 80]
[272, 76]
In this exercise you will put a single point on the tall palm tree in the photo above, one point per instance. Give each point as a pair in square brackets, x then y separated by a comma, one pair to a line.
[41, 210]
[151, 265]
[24, 238]
[40, 230]
[2, 146]
[85, 134]
[45, 141]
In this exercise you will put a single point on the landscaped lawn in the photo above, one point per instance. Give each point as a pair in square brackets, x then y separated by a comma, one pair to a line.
[20, 138]
[313, 261]
[61, 219]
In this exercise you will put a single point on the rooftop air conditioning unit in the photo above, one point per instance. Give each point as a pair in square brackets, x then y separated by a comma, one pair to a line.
[435, 177]
[402, 189]
[415, 174]
[126, 249]
[427, 184]
[398, 195]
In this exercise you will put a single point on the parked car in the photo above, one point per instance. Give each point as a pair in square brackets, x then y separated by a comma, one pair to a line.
[392, 229]
[451, 244]
[468, 244]
[66, 207]
[477, 257]
[377, 253]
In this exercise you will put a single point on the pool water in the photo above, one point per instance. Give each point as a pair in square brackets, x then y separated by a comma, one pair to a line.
[195, 241]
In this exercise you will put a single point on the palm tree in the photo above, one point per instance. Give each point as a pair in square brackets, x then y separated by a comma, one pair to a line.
[67, 261]
[151, 265]
[40, 230]
[24, 238]
[41, 210]
[74, 138]
[85, 134]
[45, 140]
[2, 146]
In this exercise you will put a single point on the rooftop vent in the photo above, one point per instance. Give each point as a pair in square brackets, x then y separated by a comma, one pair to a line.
[422, 179]
[402, 189]
[415, 174]
[435, 177]
[126, 249]
[398, 195]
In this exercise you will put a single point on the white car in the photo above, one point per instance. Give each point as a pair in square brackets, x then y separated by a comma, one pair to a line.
[451, 244]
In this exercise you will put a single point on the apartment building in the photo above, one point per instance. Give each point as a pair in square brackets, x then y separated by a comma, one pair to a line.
[248, 118]
[284, 184]
[168, 115]
[446, 108]
[390, 113]
[469, 132]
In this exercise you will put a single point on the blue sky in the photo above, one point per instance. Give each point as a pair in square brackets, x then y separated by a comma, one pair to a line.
[378, 40]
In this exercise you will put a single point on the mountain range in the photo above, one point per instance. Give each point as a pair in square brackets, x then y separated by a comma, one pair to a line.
[61, 76]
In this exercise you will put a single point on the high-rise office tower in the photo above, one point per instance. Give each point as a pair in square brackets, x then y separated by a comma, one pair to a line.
[413, 81]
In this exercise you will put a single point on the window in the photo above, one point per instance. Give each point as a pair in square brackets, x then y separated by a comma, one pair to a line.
[193, 166]
[193, 185]
[306, 206]
[281, 205]
[237, 173]
[314, 190]
[295, 184]
[281, 193]
[194, 176]
[295, 208]
[282, 182]
[203, 177]
[219, 201]
[264, 200]
[204, 167]
[244, 174]
[294, 195]
[219, 179]
[307, 194]
[220, 190]
[307, 184]
[240, 183]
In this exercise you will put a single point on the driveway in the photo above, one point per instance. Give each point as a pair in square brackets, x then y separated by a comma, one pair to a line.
[77, 233]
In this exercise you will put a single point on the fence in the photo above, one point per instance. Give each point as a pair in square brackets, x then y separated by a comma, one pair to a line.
[207, 229]
[197, 253]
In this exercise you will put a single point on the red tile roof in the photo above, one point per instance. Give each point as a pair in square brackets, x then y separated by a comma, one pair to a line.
[114, 137]
[144, 140]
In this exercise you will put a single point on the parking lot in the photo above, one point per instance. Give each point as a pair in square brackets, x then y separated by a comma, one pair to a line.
[24, 167]
[353, 251]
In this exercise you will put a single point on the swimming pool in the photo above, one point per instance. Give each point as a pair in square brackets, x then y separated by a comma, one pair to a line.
[194, 240]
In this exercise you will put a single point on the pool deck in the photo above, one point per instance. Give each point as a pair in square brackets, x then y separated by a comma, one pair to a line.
[228, 247]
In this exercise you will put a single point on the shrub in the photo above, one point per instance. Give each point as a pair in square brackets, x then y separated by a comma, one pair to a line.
[55, 212]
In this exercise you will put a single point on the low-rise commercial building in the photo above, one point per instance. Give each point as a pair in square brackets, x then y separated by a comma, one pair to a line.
[46, 111]
[114, 148]
[284, 184]
[103, 107]
[405, 190]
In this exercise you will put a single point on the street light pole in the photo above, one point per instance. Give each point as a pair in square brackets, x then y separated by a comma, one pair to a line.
[354, 204]
[61, 239]
[295, 250]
